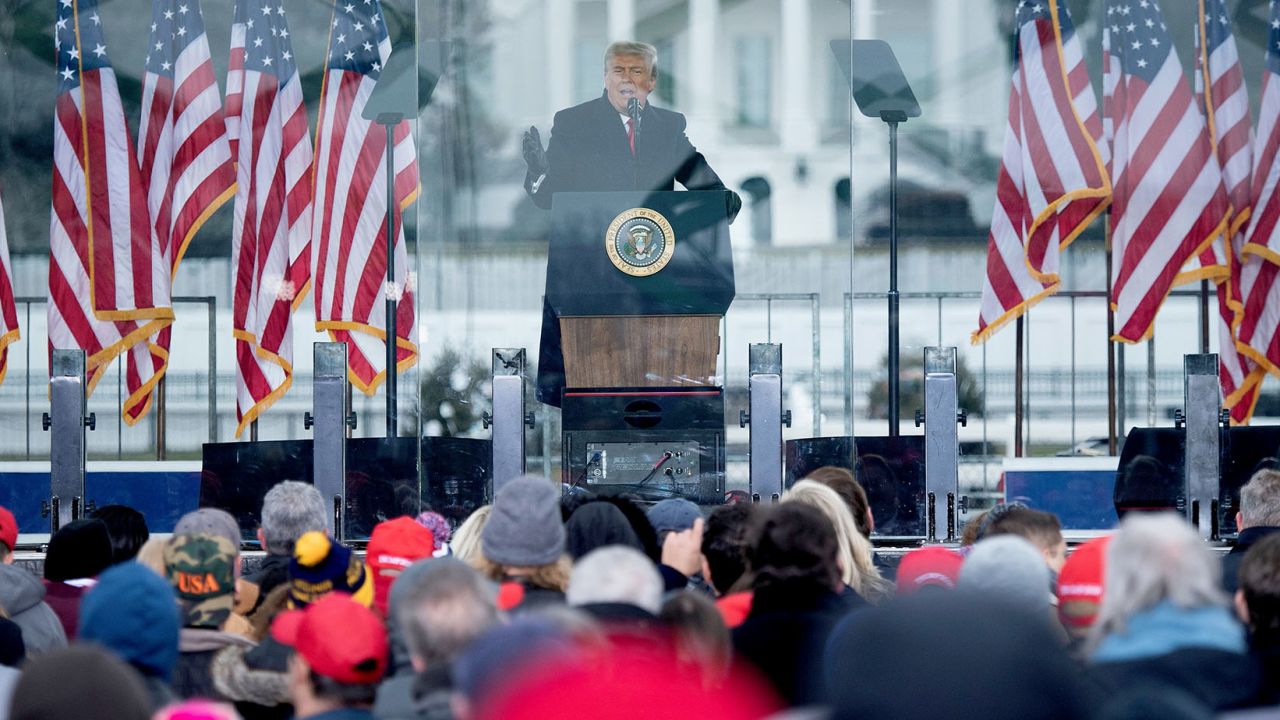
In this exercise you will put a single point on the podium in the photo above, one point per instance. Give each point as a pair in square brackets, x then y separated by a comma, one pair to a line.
[639, 283]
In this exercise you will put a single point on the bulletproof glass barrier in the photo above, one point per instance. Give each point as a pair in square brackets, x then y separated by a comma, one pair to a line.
[1150, 474]
[382, 480]
[890, 469]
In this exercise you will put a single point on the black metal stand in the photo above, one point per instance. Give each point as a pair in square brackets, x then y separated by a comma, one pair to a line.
[892, 118]
[389, 121]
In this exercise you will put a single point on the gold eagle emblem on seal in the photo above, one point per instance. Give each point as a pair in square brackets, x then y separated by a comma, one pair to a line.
[640, 242]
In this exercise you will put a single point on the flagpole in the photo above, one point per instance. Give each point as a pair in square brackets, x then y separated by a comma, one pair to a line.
[1204, 315]
[1017, 387]
[1111, 345]
[161, 418]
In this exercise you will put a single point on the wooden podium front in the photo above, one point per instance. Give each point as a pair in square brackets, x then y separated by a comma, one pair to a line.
[612, 351]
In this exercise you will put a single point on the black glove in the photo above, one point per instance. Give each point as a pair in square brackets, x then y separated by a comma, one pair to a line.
[732, 204]
[534, 156]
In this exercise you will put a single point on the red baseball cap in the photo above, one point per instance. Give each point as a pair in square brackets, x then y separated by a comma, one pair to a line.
[1080, 583]
[338, 637]
[393, 546]
[928, 567]
[8, 528]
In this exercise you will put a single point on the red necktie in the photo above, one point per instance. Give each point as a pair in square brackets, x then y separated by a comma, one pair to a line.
[631, 134]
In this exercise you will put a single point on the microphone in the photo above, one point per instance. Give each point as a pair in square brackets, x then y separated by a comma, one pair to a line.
[633, 109]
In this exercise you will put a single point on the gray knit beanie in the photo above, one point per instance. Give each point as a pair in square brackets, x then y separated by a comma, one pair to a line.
[1009, 567]
[524, 529]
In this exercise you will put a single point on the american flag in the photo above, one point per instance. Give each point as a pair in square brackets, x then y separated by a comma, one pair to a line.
[1053, 178]
[1169, 203]
[271, 239]
[1220, 89]
[8, 304]
[108, 279]
[349, 233]
[183, 155]
[1260, 320]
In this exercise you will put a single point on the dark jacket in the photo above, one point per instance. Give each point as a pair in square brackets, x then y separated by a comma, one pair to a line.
[416, 697]
[1231, 561]
[256, 586]
[588, 152]
[517, 596]
[1267, 659]
[1200, 651]
[22, 596]
[785, 636]
[192, 676]
[342, 714]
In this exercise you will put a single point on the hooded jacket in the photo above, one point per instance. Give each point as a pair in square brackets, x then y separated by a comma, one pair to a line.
[22, 596]
[193, 675]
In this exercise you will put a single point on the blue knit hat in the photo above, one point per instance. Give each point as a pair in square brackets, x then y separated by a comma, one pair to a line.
[133, 612]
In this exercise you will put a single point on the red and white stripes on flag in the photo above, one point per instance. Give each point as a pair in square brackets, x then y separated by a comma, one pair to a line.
[8, 303]
[1053, 180]
[183, 155]
[1220, 89]
[108, 279]
[349, 233]
[1260, 319]
[271, 239]
[1168, 203]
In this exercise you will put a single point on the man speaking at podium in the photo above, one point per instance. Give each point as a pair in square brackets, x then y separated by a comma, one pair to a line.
[616, 142]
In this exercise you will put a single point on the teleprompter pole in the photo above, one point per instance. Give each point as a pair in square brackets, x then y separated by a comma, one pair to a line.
[894, 392]
[392, 293]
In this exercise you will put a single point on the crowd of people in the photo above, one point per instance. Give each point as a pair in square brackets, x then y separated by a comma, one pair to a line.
[551, 605]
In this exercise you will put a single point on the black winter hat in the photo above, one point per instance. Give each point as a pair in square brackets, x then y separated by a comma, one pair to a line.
[80, 549]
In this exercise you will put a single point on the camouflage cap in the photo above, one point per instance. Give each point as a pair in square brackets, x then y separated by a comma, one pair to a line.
[201, 568]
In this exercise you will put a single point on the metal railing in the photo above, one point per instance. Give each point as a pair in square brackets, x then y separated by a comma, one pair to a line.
[31, 419]
[1056, 393]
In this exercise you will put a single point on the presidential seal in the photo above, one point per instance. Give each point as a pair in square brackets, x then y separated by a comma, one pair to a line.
[640, 242]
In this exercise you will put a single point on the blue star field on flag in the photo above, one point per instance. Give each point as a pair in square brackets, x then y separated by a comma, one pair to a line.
[1139, 38]
[358, 30]
[174, 25]
[267, 48]
[79, 48]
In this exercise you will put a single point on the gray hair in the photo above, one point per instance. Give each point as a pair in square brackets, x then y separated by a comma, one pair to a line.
[442, 606]
[1260, 499]
[631, 47]
[1155, 558]
[290, 510]
[615, 574]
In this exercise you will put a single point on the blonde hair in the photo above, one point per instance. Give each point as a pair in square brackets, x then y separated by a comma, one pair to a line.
[152, 554]
[466, 539]
[857, 569]
[552, 576]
